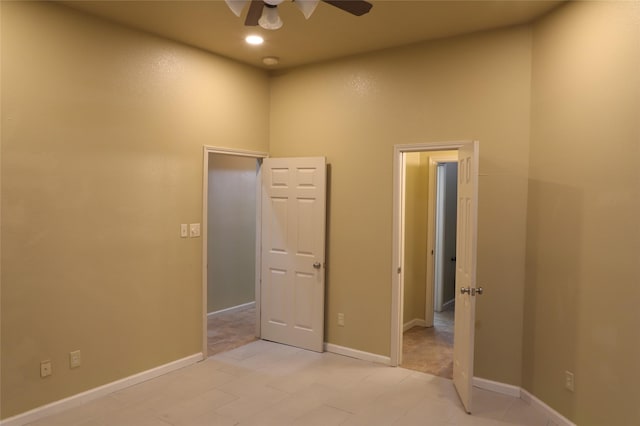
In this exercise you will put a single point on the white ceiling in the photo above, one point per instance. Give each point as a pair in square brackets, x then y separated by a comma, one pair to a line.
[329, 33]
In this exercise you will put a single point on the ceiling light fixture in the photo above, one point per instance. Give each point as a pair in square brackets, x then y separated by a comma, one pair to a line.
[270, 20]
[270, 60]
[265, 12]
[254, 39]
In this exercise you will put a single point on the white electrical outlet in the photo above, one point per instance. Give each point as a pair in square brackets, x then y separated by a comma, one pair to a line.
[184, 230]
[75, 359]
[194, 230]
[569, 381]
[45, 368]
[341, 319]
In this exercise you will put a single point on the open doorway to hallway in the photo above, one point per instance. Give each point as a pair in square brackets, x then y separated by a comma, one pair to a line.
[430, 213]
[231, 251]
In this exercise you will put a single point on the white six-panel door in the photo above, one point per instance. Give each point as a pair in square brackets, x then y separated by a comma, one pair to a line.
[465, 271]
[292, 252]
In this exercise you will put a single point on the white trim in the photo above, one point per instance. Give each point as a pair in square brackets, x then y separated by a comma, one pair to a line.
[431, 300]
[237, 152]
[430, 146]
[205, 233]
[397, 253]
[205, 250]
[526, 396]
[354, 353]
[501, 388]
[91, 394]
[258, 268]
[553, 415]
[416, 322]
[438, 233]
[397, 249]
[231, 309]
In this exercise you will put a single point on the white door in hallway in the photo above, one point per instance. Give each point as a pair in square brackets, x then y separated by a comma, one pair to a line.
[292, 252]
[467, 231]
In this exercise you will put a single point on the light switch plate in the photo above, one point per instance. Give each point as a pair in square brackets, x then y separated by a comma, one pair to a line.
[184, 230]
[75, 359]
[45, 368]
[194, 230]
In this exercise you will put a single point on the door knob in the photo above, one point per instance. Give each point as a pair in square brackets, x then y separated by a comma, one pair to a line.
[317, 265]
[472, 291]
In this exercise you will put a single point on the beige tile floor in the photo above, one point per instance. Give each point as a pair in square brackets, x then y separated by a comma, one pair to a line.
[430, 349]
[230, 330]
[264, 383]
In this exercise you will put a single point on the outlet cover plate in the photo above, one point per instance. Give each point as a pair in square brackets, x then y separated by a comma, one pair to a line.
[569, 381]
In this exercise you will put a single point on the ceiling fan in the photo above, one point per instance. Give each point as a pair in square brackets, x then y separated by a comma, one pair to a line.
[265, 12]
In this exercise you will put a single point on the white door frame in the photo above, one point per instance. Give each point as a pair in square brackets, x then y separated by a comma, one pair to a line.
[205, 204]
[397, 274]
[432, 283]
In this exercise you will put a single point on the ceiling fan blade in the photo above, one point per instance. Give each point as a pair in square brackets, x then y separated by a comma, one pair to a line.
[254, 13]
[307, 7]
[354, 7]
[236, 6]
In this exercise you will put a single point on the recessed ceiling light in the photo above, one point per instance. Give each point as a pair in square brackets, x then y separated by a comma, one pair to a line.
[254, 39]
[270, 60]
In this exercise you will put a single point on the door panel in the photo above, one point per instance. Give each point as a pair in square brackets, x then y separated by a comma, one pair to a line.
[293, 240]
[465, 271]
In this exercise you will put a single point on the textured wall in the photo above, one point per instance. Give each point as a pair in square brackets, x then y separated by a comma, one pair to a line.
[415, 247]
[102, 135]
[354, 110]
[583, 237]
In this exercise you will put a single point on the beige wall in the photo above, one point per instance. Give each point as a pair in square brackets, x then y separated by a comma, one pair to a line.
[354, 110]
[101, 160]
[102, 135]
[415, 238]
[231, 225]
[583, 237]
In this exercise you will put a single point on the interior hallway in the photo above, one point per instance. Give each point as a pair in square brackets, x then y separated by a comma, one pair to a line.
[430, 349]
[229, 330]
[265, 383]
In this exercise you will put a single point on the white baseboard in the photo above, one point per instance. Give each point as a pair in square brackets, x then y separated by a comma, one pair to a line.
[230, 310]
[91, 394]
[526, 396]
[553, 415]
[416, 322]
[497, 387]
[354, 353]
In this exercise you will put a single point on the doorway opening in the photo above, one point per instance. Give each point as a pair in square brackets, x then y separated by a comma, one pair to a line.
[286, 197]
[430, 212]
[231, 206]
[466, 256]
